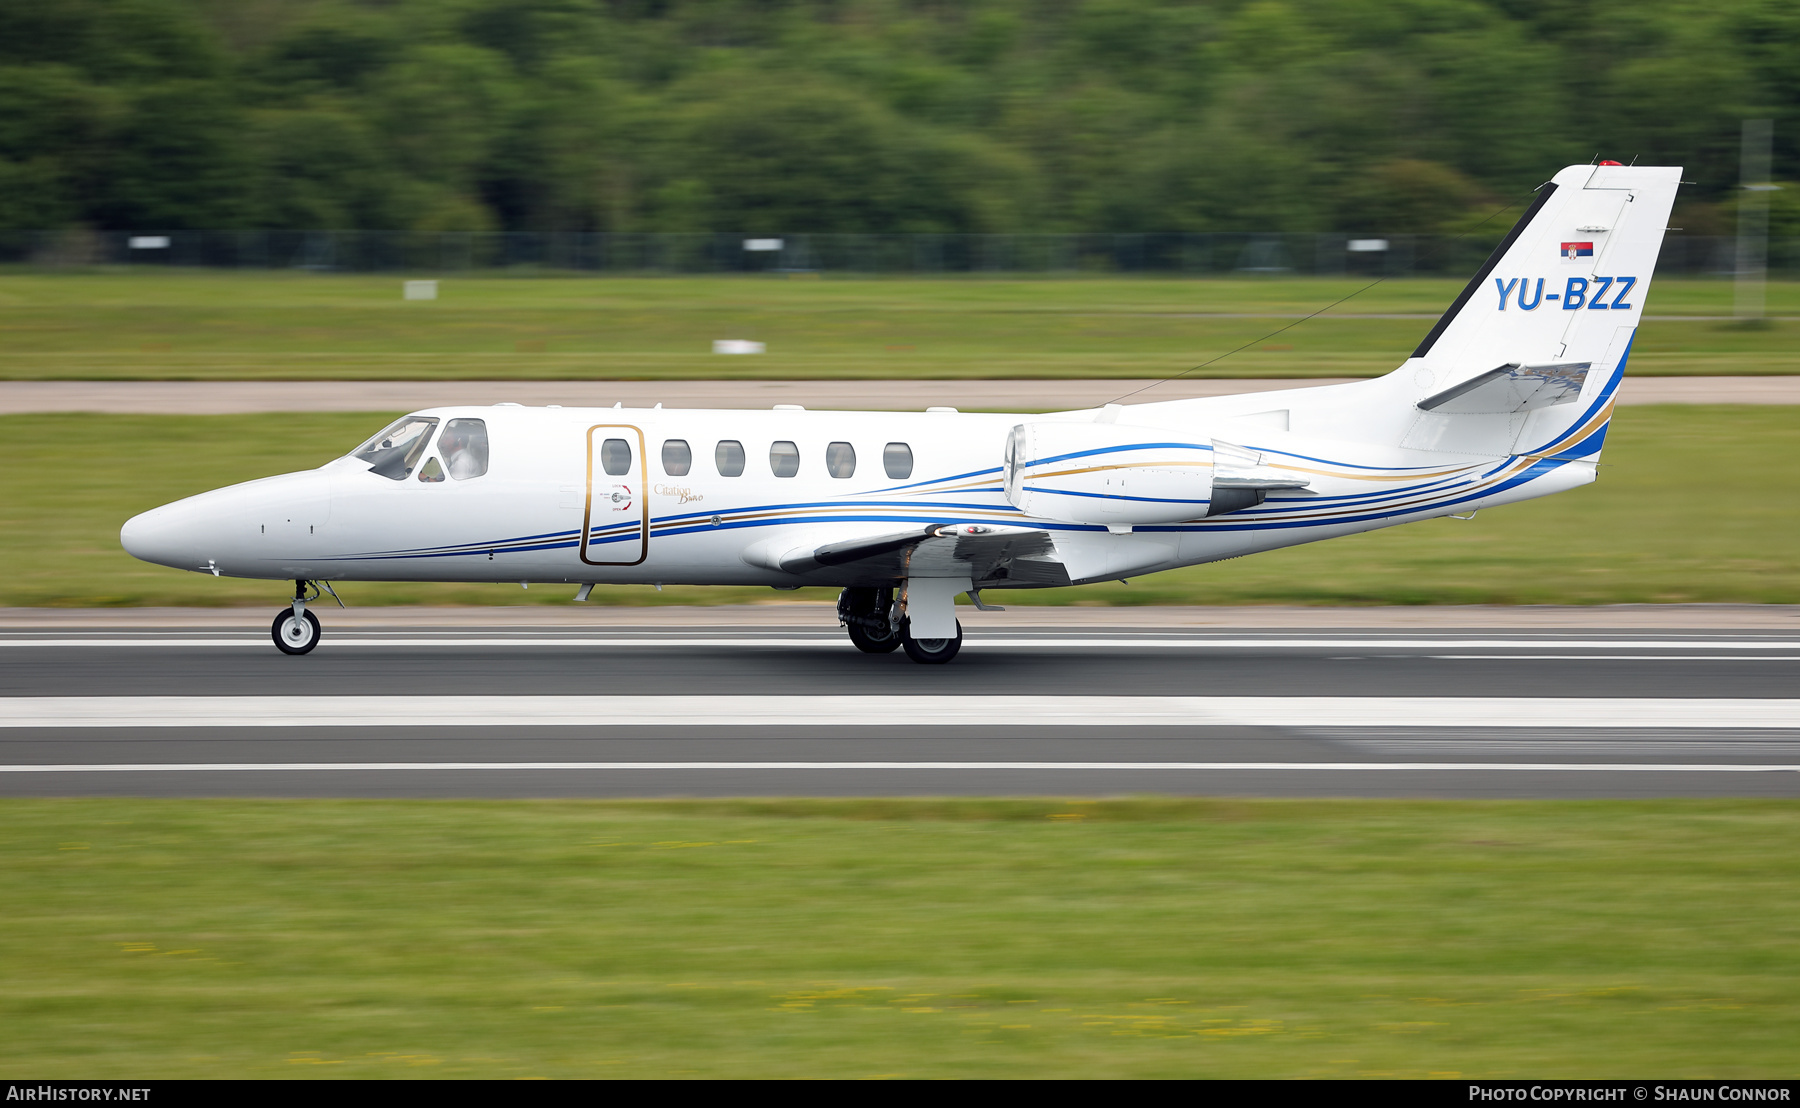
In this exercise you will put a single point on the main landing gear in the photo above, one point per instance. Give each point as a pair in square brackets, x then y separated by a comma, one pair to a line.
[931, 652]
[296, 630]
[867, 614]
[876, 627]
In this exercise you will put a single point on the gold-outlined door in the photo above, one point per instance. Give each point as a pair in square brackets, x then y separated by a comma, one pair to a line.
[614, 500]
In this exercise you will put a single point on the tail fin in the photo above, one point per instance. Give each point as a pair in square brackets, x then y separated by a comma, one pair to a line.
[1528, 357]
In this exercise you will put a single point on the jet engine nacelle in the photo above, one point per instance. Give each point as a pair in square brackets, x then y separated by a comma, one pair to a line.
[1108, 473]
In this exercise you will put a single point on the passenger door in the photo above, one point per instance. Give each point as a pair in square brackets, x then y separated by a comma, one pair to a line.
[615, 526]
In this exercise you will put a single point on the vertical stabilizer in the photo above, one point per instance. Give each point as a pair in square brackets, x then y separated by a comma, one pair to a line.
[1559, 300]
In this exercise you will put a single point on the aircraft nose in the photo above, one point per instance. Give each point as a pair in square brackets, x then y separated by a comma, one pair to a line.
[187, 534]
[157, 536]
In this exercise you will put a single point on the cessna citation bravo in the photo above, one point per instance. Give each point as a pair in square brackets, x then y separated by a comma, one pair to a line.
[1507, 398]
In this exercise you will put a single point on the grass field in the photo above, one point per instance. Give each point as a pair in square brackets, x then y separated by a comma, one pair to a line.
[1694, 504]
[1150, 938]
[222, 325]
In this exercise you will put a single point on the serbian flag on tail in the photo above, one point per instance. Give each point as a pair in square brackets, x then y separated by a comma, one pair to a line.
[1573, 250]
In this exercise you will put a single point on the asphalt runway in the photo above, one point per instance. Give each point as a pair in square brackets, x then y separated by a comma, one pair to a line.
[745, 711]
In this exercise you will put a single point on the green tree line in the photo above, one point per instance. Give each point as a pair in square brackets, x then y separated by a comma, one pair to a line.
[869, 115]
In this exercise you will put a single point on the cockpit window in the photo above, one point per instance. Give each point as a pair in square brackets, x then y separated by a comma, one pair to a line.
[395, 451]
[464, 448]
[431, 473]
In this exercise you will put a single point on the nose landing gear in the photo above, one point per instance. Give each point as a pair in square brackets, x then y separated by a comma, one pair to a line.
[295, 634]
[296, 630]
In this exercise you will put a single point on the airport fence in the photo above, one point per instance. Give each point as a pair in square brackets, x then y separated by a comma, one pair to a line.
[1220, 253]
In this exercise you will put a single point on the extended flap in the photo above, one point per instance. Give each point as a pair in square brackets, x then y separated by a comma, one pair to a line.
[981, 551]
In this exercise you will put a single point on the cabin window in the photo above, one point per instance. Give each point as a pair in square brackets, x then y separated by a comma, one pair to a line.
[464, 448]
[840, 460]
[784, 458]
[395, 451]
[729, 457]
[431, 473]
[676, 457]
[615, 457]
[896, 458]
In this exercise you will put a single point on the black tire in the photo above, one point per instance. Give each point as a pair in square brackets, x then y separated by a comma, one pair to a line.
[869, 643]
[294, 636]
[857, 605]
[931, 652]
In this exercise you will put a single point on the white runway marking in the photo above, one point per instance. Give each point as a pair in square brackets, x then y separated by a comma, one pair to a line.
[1504, 767]
[1614, 657]
[914, 712]
[974, 642]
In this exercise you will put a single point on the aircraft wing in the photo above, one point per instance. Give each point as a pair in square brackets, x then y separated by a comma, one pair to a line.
[986, 552]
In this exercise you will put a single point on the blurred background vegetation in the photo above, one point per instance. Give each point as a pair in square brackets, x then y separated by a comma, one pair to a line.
[869, 115]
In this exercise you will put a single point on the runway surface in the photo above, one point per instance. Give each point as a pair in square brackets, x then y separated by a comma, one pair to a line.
[778, 710]
[221, 397]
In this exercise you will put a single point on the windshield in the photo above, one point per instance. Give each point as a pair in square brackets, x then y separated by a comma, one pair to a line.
[395, 451]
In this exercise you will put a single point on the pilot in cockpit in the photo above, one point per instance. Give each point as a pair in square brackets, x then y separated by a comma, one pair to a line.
[463, 448]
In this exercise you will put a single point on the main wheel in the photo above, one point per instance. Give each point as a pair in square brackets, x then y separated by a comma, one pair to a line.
[295, 636]
[864, 612]
[869, 642]
[932, 652]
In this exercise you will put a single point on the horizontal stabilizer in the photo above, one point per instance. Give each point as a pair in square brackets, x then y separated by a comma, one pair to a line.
[1511, 388]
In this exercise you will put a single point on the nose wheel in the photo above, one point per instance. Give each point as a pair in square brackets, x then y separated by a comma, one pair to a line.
[296, 630]
[295, 633]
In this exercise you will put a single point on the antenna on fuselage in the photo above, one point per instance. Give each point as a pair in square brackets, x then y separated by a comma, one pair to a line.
[1239, 349]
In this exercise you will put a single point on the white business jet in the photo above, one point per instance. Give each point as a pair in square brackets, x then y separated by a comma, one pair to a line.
[1507, 398]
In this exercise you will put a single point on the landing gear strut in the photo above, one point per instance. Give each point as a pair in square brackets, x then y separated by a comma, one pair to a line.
[296, 630]
[866, 615]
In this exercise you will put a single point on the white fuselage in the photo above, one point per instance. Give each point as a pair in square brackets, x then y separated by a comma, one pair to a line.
[545, 487]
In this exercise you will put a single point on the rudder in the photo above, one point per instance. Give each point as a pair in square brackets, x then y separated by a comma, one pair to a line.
[1529, 356]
